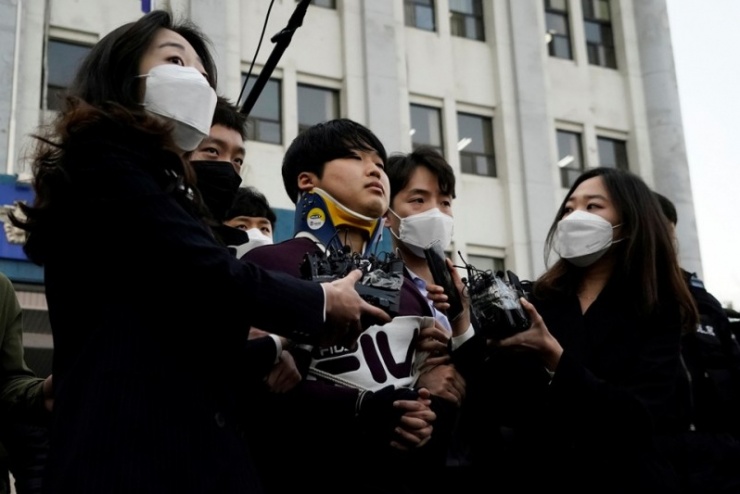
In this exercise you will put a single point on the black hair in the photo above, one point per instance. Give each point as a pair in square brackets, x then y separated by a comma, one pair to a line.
[324, 142]
[228, 115]
[106, 90]
[669, 209]
[400, 167]
[645, 259]
[251, 202]
[109, 72]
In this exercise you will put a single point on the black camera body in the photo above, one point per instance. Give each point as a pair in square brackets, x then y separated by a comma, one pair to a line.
[382, 277]
[494, 303]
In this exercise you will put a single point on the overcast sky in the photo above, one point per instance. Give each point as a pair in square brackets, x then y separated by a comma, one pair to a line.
[706, 48]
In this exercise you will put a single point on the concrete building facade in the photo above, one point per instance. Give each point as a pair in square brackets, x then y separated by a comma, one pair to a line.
[531, 76]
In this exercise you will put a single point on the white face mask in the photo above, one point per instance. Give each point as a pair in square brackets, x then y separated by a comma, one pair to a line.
[256, 239]
[582, 238]
[418, 231]
[184, 96]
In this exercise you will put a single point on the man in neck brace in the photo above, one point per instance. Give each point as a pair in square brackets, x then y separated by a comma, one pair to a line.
[362, 411]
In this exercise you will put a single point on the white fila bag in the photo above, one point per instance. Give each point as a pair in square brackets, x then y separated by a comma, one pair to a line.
[385, 354]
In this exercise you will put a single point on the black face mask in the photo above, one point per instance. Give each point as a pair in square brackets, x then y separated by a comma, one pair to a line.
[218, 183]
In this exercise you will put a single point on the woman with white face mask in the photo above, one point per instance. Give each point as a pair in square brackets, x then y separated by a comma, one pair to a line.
[149, 313]
[597, 378]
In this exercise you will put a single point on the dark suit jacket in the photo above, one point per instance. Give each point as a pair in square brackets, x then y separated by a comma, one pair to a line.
[150, 318]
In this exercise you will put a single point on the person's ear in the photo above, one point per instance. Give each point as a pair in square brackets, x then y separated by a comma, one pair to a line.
[307, 181]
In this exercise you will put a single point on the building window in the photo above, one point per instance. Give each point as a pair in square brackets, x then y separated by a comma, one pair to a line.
[612, 153]
[485, 263]
[329, 4]
[570, 157]
[419, 14]
[599, 35]
[264, 123]
[316, 104]
[63, 58]
[558, 29]
[426, 127]
[466, 19]
[476, 145]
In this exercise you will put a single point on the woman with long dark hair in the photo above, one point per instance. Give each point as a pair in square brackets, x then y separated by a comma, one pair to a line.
[149, 314]
[597, 379]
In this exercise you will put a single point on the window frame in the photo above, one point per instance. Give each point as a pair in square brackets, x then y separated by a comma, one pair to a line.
[622, 164]
[48, 89]
[336, 101]
[460, 22]
[410, 14]
[601, 54]
[553, 35]
[438, 111]
[488, 137]
[254, 123]
[571, 171]
[497, 263]
[326, 4]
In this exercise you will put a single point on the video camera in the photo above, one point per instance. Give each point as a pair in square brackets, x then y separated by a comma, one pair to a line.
[494, 302]
[382, 276]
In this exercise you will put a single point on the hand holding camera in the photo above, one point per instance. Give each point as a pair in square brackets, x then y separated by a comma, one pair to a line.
[345, 310]
[536, 338]
[379, 283]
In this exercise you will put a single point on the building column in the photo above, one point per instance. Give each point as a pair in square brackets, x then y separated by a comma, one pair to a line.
[8, 33]
[534, 133]
[665, 126]
[382, 65]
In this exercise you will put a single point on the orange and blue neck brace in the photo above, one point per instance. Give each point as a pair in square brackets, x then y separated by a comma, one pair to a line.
[322, 216]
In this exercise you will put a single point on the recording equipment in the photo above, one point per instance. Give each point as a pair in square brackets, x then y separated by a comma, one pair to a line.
[382, 276]
[436, 260]
[494, 302]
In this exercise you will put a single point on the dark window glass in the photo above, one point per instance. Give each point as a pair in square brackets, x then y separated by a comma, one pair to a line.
[63, 59]
[612, 153]
[329, 4]
[599, 34]
[476, 145]
[264, 123]
[316, 104]
[558, 29]
[419, 14]
[485, 263]
[466, 19]
[426, 127]
[570, 157]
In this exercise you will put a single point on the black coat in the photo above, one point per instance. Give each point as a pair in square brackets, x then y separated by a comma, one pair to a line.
[592, 428]
[150, 318]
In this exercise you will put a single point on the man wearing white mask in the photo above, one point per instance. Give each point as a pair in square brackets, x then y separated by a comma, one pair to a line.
[420, 213]
[251, 212]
